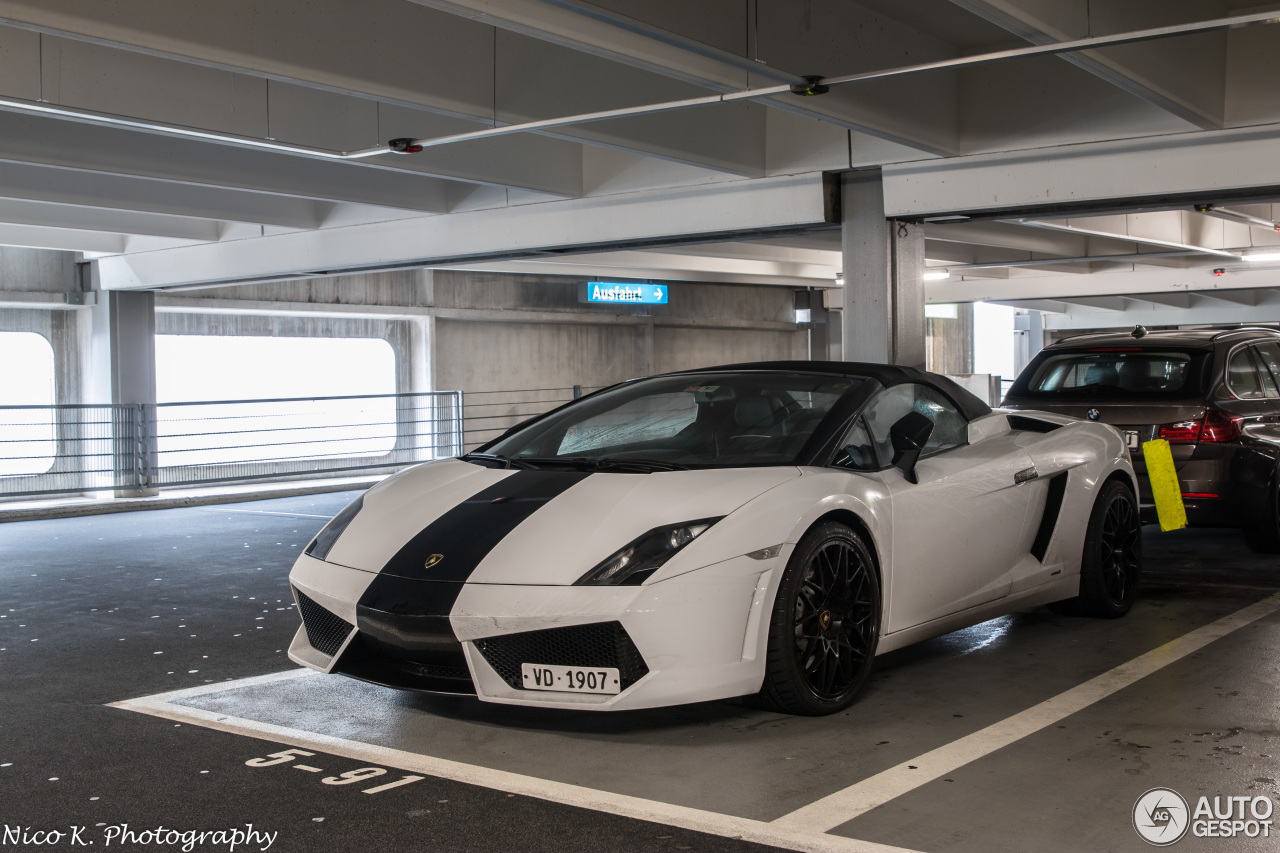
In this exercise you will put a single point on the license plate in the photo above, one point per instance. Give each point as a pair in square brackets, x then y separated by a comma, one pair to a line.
[1131, 436]
[570, 679]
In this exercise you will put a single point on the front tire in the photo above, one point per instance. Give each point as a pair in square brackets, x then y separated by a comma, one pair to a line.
[1112, 561]
[1264, 537]
[825, 624]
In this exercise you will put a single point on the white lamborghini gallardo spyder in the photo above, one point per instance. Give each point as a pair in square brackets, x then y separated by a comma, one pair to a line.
[756, 529]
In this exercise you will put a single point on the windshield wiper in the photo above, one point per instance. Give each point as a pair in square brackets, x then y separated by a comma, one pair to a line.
[501, 461]
[643, 466]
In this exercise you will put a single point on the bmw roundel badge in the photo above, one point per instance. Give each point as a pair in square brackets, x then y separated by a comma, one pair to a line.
[1093, 414]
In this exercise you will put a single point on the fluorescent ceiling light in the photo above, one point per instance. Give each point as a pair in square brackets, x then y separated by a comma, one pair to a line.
[942, 311]
[937, 275]
[1263, 258]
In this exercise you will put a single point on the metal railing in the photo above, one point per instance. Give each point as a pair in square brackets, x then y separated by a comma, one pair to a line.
[48, 450]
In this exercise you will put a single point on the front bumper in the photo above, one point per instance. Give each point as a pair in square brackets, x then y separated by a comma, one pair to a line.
[695, 637]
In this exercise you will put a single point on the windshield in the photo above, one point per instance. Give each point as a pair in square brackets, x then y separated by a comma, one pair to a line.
[1115, 373]
[692, 420]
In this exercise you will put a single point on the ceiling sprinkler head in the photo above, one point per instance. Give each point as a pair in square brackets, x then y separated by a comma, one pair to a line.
[812, 85]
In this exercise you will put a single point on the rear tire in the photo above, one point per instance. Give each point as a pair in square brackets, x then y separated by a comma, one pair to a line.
[1111, 565]
[1264, 537]
[825, 624]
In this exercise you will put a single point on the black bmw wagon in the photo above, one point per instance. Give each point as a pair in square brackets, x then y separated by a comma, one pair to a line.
[1214, 395]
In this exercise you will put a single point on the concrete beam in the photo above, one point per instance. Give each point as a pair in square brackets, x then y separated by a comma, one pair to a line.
[1147, 314]
[609, 35]
[89, 148]
[1213, 165]
[396, 53]
[63, 239]
[707, 212]
[1156, 72]
[117, 192]
[81, 218]
[1159, 283]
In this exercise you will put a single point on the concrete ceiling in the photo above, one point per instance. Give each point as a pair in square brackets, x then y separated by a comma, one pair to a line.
[143, 131]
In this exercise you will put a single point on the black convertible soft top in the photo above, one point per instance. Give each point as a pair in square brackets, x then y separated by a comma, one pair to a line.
[886, 374]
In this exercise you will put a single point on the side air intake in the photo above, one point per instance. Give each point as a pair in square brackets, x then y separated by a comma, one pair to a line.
[1049, 520]
[1022, 423]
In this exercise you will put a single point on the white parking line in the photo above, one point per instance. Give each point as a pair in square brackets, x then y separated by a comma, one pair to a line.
[698, 820]
[845, 805]
[804, 829]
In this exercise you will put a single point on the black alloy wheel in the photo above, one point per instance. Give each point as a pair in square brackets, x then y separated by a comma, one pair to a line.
[1111, 565]
[1264, 537]
[825, 624]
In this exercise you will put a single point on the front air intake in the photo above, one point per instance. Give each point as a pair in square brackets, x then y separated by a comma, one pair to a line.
[601, 644]
[326, 631]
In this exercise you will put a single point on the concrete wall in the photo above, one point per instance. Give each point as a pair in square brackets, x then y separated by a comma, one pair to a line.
[498, 332]
[450, 329]
[37, 286]
[37, 270]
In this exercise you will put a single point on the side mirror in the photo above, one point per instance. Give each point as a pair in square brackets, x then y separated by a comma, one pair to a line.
[909, 436]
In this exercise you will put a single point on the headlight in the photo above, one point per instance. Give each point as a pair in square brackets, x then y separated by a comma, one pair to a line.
[645, 555]
[328, 535]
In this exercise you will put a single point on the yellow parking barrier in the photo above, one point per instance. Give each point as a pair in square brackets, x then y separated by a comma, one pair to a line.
[1164, 485]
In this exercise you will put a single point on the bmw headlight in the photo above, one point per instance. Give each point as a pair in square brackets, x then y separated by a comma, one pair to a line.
[632, 565]
[328, 535]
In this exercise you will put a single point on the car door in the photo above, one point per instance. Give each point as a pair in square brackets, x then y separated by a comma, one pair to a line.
[1260, 413]
[958, 531]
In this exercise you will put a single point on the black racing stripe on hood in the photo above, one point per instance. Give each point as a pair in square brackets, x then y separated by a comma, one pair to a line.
[466, 534]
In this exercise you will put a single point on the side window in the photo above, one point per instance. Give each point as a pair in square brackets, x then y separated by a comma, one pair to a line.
[950, 429]
[1269, 359]
[1268, 381]
[856, 451]
[1242, 379]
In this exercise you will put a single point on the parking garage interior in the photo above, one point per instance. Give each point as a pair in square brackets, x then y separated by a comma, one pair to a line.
[256, 256]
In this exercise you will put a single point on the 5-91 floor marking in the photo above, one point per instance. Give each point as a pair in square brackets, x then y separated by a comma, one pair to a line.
[347, 778]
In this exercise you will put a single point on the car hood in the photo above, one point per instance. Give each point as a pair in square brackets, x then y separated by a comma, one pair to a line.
[502, 526]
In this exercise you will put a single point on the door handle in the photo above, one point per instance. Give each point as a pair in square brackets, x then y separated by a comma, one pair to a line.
[1026, 475]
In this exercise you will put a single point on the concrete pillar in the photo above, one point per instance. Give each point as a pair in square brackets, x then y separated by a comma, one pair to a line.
[883, 319]
[123, 372]
[1028, 333]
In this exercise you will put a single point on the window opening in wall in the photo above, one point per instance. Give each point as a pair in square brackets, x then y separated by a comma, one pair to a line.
[26, 380]
[216, 371]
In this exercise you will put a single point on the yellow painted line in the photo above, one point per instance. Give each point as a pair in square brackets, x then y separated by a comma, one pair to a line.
[1164, 485]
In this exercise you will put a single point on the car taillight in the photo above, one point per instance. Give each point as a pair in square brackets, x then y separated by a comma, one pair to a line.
[1183, 432]
[1219, 426]
[1215, 426]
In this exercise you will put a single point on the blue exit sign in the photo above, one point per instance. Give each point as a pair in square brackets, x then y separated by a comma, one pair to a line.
[616, 292]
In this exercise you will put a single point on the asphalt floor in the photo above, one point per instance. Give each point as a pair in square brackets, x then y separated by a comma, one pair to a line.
[101, 609]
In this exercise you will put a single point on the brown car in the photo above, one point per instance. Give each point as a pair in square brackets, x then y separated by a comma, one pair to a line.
[1213, 395]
